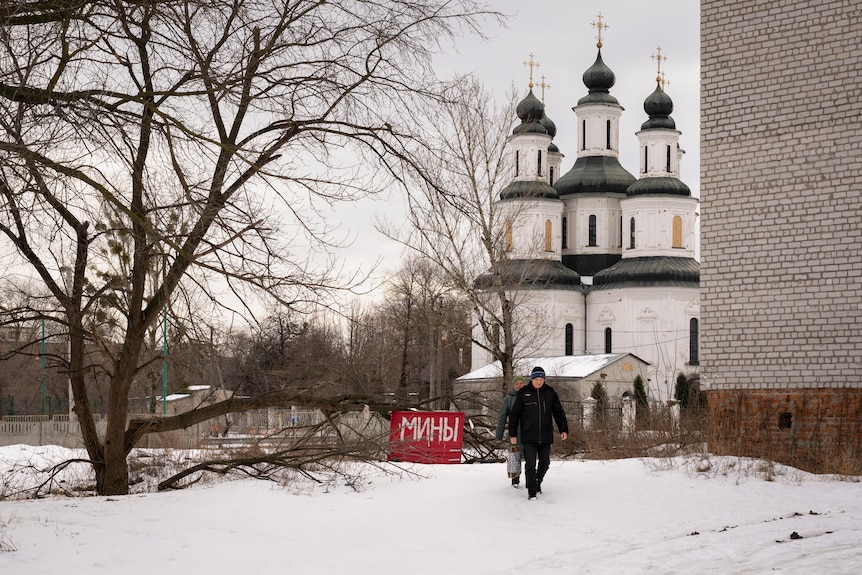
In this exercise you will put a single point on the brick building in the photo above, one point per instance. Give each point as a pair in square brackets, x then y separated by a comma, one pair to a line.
[781, 198]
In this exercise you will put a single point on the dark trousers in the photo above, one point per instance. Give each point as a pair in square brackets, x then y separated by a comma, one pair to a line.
[536, 453]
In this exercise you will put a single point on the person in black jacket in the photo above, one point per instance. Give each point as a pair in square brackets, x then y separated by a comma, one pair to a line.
[531, 419]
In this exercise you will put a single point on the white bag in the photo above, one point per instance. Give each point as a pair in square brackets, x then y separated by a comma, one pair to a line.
[513, 462]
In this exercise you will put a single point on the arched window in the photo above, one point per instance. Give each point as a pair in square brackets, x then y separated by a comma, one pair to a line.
[517, 161]
[668, 159]
[632, 234]
[592, 231]
[508, 246]
[677, 232]
[570, 339]
[608, 134]
[551, 169]
[693, 343]
[539, 163]
[565, 232]
[548, 246]
[608, 340]
[646, 159]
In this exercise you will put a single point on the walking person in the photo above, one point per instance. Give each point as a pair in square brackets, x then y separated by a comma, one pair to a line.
[502, 419]
[536, 408]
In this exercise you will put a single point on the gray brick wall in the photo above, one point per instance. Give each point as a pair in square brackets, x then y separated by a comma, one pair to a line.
[781, 194]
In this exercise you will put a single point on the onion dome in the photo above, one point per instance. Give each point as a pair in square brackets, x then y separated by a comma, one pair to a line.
[599, 79]
[649, 272]
[531, 274]
[658, 107]
[549, 125]
[530, 110]
[595, 174]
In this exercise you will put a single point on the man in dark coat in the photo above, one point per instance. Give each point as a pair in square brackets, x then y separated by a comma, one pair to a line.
[531, 419]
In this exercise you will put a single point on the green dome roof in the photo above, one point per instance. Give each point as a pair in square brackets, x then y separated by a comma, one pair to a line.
[658, 185]
[595, 174]
[531, 274]
[649, 272]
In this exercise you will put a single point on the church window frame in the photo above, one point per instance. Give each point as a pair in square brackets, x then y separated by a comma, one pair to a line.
[620, 244]
[548, 236]
[632, 234]
[609, 340]
[608, 135]
[676, 240]
[694, 341]
[584, 134]
[569, 347]
[592, 231]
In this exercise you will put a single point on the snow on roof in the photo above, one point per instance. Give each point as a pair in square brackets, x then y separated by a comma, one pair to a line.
[198, 387]
[558, 366]
[174, 396]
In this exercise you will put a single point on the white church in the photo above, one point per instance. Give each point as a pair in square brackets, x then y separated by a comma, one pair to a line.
[601, 261]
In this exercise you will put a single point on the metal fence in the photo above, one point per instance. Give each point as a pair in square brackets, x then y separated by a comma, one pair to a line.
[263, 426]
[299, 424]
[616, 414]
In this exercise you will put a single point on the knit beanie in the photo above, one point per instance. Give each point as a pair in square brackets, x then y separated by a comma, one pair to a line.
[537, 372]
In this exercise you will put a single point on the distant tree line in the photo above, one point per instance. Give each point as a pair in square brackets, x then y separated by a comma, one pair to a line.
[380, 352]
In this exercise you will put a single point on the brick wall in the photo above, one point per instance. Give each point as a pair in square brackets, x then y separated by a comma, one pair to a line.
[781, 186]
[815, 429]
[781, 200]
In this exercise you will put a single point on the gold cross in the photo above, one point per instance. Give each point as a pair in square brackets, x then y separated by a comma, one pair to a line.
[659, 59]
[532, 65]
[600, 25]
[543, 85]
[664, 81]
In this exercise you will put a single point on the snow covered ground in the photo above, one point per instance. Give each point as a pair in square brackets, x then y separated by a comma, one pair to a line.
[702, 514]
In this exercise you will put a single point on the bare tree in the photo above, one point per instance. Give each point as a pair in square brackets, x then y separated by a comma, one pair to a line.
[388, 338]
[456, 221]
[154, 147]
[397, 343]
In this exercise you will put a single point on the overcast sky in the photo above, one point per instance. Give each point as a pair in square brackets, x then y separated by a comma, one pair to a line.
[560, 36]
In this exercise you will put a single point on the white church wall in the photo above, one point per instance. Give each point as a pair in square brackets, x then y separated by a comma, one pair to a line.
[546, 316]
[595, 117]
[652, 323]
[654, 225]
[530, 157]
[529, 227]
[606, 208]
[656, 143]
[540, 318]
